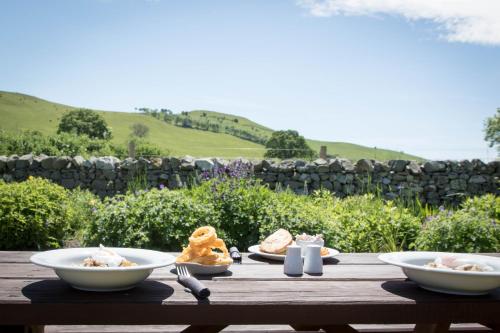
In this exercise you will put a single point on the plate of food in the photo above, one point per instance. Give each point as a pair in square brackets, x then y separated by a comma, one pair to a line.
[199, 256]
[102, 268]
[451, 273]
[274, 246]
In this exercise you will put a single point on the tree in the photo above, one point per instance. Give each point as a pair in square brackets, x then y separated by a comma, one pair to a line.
[492, 130]
[139, 130]
[84, 121]
[287, 144]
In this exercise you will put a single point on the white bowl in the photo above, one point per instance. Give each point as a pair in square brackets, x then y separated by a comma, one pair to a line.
[444, 280]
[195, 268]
[67, 265]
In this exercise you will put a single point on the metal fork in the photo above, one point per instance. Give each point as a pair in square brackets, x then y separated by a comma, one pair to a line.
[197, 288]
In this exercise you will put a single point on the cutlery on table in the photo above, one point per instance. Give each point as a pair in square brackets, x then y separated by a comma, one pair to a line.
[193, 284]
[235, 254]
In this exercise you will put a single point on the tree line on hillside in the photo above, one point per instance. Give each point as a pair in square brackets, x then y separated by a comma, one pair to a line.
[185, 120]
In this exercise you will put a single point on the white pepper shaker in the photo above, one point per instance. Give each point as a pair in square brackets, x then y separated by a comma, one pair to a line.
[293, 260]
[313, 263]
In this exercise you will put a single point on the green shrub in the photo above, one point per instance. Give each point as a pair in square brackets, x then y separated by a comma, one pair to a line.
[84, 204]
[474, 228]
[157, 219]
[147, 149]
[241, 205]
[34, 214]
[84, 122]
[298, 214]
[488, 204]
[63, 144]
[369, 224]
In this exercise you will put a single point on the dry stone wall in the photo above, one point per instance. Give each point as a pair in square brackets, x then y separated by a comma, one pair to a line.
[433, 182]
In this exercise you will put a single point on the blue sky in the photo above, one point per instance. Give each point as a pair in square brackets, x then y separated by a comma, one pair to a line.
[392, 77]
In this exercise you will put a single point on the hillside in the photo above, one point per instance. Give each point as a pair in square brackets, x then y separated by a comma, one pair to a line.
[19, 111]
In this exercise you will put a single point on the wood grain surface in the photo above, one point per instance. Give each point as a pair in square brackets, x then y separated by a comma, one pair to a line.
[354, 289]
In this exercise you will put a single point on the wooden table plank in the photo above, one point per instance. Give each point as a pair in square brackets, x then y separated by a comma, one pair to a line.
[236, 272]
[399, 328]
[255, 302]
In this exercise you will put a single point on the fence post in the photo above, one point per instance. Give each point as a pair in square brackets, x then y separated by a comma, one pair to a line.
[322, 152]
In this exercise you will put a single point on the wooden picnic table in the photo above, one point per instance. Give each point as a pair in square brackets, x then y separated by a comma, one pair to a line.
[354, 289]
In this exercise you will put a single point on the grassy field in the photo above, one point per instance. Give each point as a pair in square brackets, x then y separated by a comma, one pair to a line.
[19, 112]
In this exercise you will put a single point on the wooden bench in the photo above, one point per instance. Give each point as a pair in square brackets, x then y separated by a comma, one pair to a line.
[356, 293]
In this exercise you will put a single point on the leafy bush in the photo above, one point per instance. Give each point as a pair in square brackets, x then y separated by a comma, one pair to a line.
[63, 144]
[86, 122]
[369, 224]
[242, 206]
[139, 130]
[147, 149]
[35, 214]
[84, 204]
[298, 214]
[488, 204]
[157, 219]
[474, 228]
[288, 144]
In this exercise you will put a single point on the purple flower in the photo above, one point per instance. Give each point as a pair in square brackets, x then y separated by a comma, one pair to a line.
[162, 186]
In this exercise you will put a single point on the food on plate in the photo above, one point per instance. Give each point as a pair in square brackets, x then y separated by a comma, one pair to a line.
[304, 240]
[277, 242]
[105, 257]
[458, 264]
[202, 243]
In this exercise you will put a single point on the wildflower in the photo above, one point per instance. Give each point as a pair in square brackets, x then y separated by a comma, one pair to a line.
[30, 178]
[162, 186]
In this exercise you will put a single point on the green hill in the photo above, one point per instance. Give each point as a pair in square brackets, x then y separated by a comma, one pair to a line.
[20, 112]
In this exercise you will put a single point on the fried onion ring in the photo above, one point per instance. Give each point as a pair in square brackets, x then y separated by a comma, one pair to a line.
[203, 236]
[200, 249]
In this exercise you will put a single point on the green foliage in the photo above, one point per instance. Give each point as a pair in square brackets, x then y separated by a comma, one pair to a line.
[242, 206]
[299, 214]
[84, 204]
[157, 219]
[488, 204]
[369, 224]
[492, 130]
[84, 121]
[287, 144]
[474, 228]
[63, 144]
[37, 214]
[34, 214]
[139, 130]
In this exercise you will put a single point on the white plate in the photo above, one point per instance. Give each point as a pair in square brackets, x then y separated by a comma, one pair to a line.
[443, 280]
[67, 265]
[195, 268]
[281, 257]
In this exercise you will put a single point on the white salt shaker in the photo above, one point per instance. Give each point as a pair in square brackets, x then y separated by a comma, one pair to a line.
[293, 260]
[313, 263]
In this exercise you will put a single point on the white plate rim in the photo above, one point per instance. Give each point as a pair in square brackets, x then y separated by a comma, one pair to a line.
[255, 250]
[199, 265]
[168, 260]
[389, 258]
